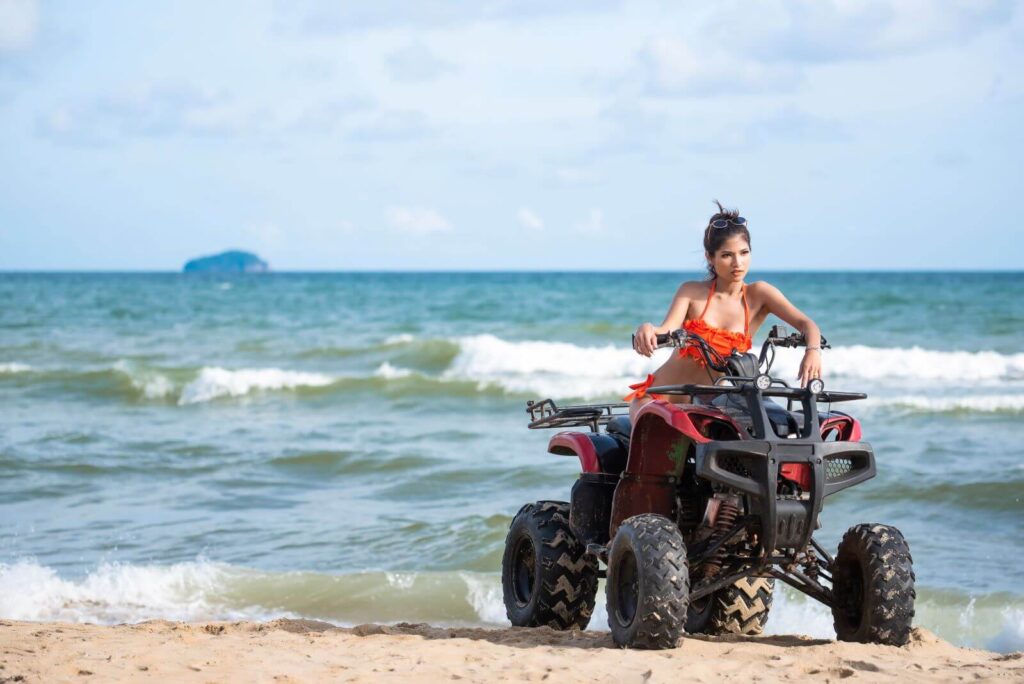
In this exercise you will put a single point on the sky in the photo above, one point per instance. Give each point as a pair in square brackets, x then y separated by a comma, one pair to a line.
[510, 134]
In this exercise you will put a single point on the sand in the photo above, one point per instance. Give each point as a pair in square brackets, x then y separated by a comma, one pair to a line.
[310, 651]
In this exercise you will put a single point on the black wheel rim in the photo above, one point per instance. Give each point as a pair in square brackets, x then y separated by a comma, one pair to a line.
[853, 595]
[627, 588]
[524, 573]
[701, 607]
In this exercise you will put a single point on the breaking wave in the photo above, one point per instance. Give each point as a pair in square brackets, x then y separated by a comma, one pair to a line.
[912, 380]
[205, 590]
[14, 368]
[213, 383]
[992, 403]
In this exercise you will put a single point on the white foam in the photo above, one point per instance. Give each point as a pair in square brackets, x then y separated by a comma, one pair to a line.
[400, 580]
[562, 369]
[389, 372]
[115, 593]
[551, 368]
[153, 385]
[220, 382]
[14, 368]
[484, 594]
[896, 366]
[1011, 637]
[990, 403]
[403, 338]
[794, 613]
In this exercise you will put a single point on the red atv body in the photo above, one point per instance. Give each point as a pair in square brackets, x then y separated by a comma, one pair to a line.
[697, 508]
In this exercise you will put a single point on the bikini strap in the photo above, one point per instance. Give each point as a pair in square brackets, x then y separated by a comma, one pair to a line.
[746, 313]
[711, 292]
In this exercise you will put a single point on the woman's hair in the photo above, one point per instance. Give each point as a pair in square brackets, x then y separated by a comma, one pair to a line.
[714, 238]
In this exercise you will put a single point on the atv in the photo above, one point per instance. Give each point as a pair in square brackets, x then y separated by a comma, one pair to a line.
[693, 512]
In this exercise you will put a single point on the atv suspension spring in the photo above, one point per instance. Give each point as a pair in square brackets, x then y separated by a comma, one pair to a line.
[724, 521]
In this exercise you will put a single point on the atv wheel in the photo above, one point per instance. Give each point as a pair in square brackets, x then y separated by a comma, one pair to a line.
[738, 609]
[873, 586]
[545, 577]
[648, 584]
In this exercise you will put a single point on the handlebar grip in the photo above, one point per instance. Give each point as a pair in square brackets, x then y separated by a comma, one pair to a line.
[661, 340]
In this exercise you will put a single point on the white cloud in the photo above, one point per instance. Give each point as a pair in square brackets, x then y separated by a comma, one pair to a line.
[832, 30]
[593, 224]
[417, 220]
[668, 66]
[146, 112]
[267, 236]
[400, 126]
[574, 175]
[325, 17]
[417, 63]
[530, 220]
[18, 22]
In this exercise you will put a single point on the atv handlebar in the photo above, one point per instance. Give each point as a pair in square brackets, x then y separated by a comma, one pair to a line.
[778, 336]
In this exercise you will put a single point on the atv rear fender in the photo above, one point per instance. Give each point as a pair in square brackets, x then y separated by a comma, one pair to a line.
[598, 453]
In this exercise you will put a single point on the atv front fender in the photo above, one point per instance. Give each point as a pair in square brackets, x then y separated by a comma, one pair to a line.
[662, 440]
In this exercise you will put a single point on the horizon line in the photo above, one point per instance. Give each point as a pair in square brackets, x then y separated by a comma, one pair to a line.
[30, 271]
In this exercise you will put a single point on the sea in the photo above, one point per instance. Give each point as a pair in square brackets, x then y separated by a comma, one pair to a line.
[351, 447]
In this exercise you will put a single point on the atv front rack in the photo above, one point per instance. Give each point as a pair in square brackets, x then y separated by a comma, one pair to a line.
[546, 414]
[774, 391]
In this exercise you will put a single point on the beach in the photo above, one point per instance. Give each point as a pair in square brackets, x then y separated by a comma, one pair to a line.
[312, 651]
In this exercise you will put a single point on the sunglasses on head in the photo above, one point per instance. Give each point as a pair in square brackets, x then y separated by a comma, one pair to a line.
[724, 223]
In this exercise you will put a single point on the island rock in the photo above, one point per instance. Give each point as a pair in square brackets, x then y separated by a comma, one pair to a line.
[233, 261]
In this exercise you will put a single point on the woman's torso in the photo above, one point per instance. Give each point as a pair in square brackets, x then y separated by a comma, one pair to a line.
[734, 318]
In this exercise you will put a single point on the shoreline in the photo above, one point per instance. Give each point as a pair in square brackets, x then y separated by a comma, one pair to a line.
[288, 650]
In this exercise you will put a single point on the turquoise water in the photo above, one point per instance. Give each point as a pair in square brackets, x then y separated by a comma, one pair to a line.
[352, 447]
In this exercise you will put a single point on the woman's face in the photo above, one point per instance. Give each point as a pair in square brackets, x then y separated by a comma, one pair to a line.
[731, 261]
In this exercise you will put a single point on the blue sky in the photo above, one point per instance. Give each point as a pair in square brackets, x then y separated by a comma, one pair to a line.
[496, 134]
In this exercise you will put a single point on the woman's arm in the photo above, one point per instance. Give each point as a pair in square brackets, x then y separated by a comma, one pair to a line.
[645, 338]
[776, 303]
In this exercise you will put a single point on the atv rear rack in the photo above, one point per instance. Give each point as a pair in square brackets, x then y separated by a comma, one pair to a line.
[546, 414]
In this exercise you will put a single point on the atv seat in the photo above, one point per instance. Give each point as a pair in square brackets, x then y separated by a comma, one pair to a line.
[620, 426]
[783, 422]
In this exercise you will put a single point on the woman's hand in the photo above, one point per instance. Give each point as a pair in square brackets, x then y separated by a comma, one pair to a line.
[645, 339]
[810, 366]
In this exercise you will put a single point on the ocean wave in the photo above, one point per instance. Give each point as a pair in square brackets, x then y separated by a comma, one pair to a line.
[561, 369]
[558, 369]
[204, 590]
[898, 366]
[152, 384]
[389, 372]
[915, 380]
[117, 592]
[986, 403]
[213, 383]
[14, 368]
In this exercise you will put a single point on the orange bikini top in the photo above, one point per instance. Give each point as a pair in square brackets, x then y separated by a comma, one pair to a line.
[721, 340]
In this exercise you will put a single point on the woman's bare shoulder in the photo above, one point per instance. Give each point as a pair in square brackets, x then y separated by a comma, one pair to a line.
[762, 288]
[693, 289]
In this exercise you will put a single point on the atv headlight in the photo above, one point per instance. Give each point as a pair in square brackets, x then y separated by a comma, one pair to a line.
[763, 381]
[816, 386]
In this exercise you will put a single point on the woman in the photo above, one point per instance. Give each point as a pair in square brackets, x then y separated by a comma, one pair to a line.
[724, 311]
